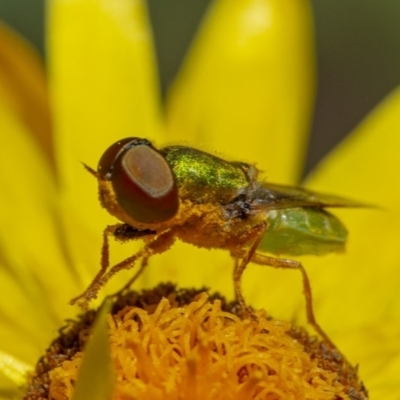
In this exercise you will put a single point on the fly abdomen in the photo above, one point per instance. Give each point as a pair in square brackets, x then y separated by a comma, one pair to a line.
[301, 231]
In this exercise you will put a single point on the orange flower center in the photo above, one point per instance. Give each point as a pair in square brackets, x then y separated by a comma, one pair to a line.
[179, 349]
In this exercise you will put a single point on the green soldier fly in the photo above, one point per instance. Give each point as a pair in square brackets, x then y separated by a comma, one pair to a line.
[180, 192]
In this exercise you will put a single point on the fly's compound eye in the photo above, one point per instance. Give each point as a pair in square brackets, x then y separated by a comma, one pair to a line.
[109, 157]
[142, 180]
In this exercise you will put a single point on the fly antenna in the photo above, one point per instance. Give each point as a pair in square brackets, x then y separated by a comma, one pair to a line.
[90, 170]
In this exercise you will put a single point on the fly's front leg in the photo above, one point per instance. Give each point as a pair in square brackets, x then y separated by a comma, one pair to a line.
[157, 245]
[122, 233]
[131, 281]
[143, 266]
[87, 295]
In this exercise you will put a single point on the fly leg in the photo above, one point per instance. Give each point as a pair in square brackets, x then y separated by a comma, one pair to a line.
[156, 245]
[131, 281]
[264, 260]
[245, 257]
[104, 264]
[124, 233]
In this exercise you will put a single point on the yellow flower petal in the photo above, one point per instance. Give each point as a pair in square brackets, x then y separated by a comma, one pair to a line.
[26, 313]
[29, 241]
[246, 87]
[8, 389]
[14, 369]
[103, 82]
[362, 284]
[22, 80]
[29, 244]
[95, 379]
[362, 289]
[376, 348]
[366, 167]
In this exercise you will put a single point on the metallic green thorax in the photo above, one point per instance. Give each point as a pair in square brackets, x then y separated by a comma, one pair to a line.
[202, 177]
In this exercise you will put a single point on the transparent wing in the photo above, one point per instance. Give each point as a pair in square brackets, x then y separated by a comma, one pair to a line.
[272, 196]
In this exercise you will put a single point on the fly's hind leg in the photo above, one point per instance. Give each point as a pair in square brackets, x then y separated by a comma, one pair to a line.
[264, 260]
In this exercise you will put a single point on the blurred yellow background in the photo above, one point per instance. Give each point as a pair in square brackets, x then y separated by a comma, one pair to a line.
[358, 45]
